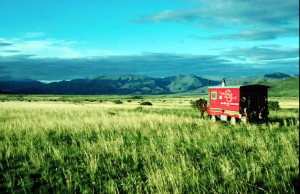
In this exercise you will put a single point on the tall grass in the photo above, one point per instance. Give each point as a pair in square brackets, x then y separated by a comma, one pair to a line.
[65, 147]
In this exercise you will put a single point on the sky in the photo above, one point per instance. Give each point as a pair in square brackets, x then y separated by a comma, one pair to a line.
[52, 40]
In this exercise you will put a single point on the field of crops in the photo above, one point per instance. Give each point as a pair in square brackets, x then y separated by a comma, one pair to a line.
[118, 144]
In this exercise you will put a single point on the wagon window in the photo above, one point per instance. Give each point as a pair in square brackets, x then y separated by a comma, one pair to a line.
[243, 99]
[213, 95]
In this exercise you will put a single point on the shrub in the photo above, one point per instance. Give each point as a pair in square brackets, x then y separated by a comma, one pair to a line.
[146, 103]
[63, 98]
[118, 102]
[137, 97]
[273, 105]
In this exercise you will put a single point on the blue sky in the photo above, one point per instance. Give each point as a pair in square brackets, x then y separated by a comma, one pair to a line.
[67, 39]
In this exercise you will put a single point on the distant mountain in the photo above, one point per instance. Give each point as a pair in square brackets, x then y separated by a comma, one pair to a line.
[256, 79]
[4, 92]
[109, 84]
[15, 86]
[182, 83]
[132, 84]
[277, 75]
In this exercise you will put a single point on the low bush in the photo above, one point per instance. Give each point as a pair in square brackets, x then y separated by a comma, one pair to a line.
[118, 102]
[273, 105]
[137, 97]
[146, 103]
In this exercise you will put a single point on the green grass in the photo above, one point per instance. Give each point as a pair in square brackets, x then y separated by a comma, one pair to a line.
[286, 88]
[88, 146]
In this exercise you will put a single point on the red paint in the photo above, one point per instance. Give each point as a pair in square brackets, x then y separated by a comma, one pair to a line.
[227, 101]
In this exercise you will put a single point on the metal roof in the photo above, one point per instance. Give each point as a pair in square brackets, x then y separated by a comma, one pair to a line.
[240, 86]
[224, 87]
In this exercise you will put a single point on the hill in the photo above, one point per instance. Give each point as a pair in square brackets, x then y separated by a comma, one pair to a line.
[14, 86]
[107, 84]
[285, 88]
[4, 92]
[277, 75]
[281, 84]
[273, 77]
[181, 83]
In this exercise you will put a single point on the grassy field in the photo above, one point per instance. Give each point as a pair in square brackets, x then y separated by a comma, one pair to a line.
[113, 144]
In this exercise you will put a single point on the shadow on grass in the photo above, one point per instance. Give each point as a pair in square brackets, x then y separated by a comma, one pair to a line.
[284, 121]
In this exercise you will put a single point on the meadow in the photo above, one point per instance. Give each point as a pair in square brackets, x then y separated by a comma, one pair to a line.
[114, 144]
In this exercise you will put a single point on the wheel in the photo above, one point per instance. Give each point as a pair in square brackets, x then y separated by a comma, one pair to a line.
[213, 118]
[233, 120]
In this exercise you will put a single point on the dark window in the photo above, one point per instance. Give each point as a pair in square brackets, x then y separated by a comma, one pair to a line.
[214, 95]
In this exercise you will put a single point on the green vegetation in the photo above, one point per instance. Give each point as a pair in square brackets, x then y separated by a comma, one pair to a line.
[146, 103]
[118, 102]
[89, 144]
[285, 88]
[273, 105]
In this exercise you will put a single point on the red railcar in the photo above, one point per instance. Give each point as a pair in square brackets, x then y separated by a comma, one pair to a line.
[232, 103]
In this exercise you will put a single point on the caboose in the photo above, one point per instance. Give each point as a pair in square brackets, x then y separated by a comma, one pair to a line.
[233, 103]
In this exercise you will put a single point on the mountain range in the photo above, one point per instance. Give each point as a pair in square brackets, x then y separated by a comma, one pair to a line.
[131, 84]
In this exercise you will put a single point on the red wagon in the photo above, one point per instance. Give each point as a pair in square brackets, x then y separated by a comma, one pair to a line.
[233, 103]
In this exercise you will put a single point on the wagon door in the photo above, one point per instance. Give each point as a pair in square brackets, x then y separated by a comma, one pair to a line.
[254, 102]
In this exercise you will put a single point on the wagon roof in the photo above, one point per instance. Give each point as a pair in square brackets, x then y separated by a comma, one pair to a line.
[241, 86]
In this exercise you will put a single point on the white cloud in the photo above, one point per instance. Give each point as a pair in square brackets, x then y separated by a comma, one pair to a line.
[255, 34]
[220, 12]
[49, 48]
[34, 34]
[262, 54]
